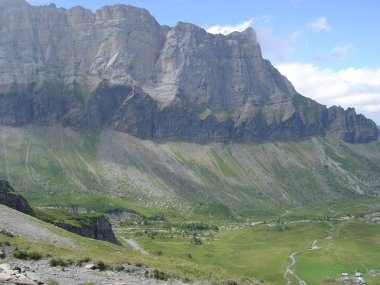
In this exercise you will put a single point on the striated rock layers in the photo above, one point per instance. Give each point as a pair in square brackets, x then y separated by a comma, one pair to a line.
[119, 68]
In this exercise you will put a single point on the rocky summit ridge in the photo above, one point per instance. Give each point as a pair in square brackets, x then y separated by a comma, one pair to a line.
[119, 68]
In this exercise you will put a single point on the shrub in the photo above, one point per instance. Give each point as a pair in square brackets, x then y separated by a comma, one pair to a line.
[34, 255]
[159, 275]
[101, 265]
[196, 241]
[83, 260]
[118, 268]
[57, 262]
[20, 254]
[87, 283]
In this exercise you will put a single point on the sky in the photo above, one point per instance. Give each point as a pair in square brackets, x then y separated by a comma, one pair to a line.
[328, 49]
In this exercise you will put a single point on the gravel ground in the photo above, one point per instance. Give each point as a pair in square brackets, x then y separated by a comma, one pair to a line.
[25, 225]
[74, 275]
[40, 271]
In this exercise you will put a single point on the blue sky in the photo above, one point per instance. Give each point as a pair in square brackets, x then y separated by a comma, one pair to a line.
[329, 49]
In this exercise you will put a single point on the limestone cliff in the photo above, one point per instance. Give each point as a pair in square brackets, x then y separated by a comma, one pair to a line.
[119, 68]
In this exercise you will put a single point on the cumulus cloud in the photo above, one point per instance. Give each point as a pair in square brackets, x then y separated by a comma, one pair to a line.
[228, 29]
[351, 87]
[225, 30]
[320, 25]
[340, 51]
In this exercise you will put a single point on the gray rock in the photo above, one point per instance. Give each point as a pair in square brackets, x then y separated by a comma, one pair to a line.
[118, 67]
[34, 277]
[5, 267]
[4, 276]
[90, 266]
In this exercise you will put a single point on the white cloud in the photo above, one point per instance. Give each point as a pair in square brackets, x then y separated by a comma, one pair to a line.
[351, 87]
[228, 29]
[340, 51]
[225, 30]
[320, 25]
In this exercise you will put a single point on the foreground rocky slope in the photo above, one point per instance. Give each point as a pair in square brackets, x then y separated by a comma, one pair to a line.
[119, 68]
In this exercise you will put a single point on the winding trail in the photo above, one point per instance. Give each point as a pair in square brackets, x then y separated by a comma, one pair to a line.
[132, 243]
[289, 269]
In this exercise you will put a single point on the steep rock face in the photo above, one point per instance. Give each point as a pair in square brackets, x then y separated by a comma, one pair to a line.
[350, 127]
[118, 67]
[97, 228]
[12, 200]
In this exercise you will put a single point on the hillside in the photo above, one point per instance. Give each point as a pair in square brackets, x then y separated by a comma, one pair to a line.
[63, 166]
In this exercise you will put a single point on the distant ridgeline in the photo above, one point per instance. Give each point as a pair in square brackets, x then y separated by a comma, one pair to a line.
[118, 68]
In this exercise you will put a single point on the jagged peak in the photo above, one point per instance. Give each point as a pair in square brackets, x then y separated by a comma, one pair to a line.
[13, 3]
[122, 10]
[248, 35]
[188, 27]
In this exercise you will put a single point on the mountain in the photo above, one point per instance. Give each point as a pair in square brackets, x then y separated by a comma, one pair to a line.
[110, 111]
[118, 68]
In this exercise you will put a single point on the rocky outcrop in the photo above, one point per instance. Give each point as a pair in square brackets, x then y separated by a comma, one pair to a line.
[96, 227]
[12, 200]
[350, 127]
[119, 68]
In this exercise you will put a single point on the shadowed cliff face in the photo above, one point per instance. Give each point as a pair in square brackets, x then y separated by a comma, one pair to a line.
[119, 68]
[12, 200]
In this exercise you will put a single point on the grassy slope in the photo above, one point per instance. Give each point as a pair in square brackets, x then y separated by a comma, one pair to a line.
[66, 167]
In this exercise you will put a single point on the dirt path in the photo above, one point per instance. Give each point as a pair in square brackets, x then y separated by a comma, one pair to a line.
[314, 246]
[289, 272]
[132, 243]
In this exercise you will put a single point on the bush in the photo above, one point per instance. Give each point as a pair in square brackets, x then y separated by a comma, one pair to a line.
[83, 260]
[101, 265]
[118, 268]
[57, 262]
[87, 283]
[24, 255]
[159, 275]
[20, 254]
[196, 241]
[34, 255]
[5, 243]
